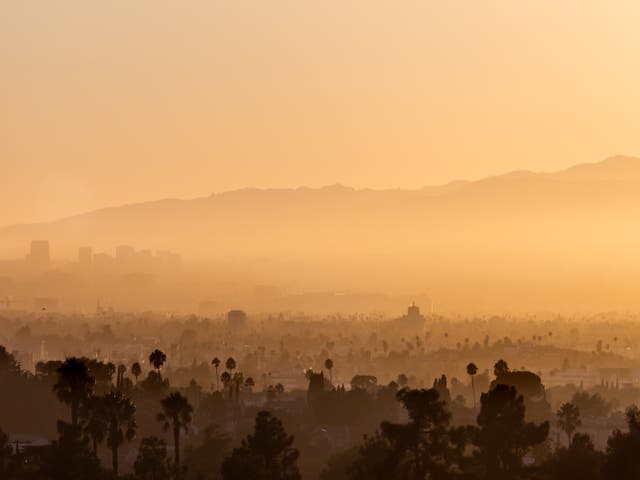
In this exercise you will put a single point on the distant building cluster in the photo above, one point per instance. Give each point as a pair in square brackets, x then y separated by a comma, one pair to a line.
[35, 281]
[127, 259]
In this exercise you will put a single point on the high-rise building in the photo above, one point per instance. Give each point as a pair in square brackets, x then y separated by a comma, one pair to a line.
[102, 262]
[85, 257]
[125, 258]
[39, 254]
[125, 253]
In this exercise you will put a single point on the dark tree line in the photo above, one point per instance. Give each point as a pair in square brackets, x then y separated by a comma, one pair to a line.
[423, 444]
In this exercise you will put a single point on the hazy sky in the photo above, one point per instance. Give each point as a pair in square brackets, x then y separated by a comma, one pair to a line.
[107, 102]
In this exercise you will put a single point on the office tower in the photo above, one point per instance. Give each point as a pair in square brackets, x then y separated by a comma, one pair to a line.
[39, 254]
[85, 257]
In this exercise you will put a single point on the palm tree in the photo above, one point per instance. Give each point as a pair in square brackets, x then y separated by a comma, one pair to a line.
[238, 379]
[249, 383]
[471, 371]
[226, 382]
[121, 423]
[568, 419]
[74, 385]
[136, 371]
[176, 414]
[122, 369]
[216, 363]
[279, 389]
[328, 364]
[95, 423]
[157, 359]
[230, 364]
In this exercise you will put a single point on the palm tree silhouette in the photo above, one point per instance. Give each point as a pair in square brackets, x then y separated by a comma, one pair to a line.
[95, 421]
[119, 413]
[74, 385]
[216, 363]
[176, 414]
[122, 369]
[471, 371]
[230, 364]
[238, 379]
[328, 364]
[279, 389]
[249, 383]
[136, 370]
[226, 382]
[568, 419]
[157, 359]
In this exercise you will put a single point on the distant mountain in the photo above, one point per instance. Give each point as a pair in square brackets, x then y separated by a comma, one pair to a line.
[587, 213]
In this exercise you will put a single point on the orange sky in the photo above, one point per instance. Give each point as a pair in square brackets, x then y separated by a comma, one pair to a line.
[103, 103]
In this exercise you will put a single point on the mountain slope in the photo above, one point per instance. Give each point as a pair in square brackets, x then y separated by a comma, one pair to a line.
[587, 212]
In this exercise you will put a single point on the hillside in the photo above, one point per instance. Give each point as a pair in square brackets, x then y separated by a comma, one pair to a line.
[523, 240]
[513, 213]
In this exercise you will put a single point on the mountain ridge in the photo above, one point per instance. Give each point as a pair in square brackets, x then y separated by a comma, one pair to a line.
[521, 213]
[617, 162]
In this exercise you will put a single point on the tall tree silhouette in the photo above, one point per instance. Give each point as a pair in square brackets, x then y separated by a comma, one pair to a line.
[216, 363]
[136, 371]
[267, 454]
[425, 437]
[580, 460]
[568, 419]
[249, 383]
[621, 461]
[157, 359]
[121, 423]
[328, 364]
[422, 448]
[205, 457]
[472, 370]
[226, 383]
[230, 364]
[5, 454]
[177, 415]
[74, 385]
[95, 421]
[376, 460]
[151, 462]
[69, 457]
[8, 364]
[238, 381]
[504, 437]
[122, 369]
[500, 368]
